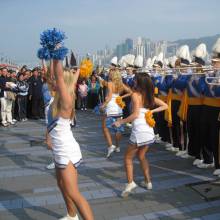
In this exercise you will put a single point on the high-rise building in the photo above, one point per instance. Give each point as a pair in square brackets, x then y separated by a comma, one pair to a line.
[148, 49]
[171, 49]
[129, 45]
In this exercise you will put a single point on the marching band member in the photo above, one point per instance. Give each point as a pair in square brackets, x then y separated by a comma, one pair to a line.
[129, 82]
[162, 83]
[195, 107]
[210, 117]
[179, 84]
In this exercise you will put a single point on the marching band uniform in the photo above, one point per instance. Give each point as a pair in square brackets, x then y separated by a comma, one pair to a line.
[209, 125]
[178, 125]
[195, 108]
[210, 118]
[129, 81]
[193, 118]
[216, 90]
[178, 105]
[163, 83]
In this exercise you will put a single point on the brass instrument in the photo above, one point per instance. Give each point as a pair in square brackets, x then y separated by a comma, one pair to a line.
[215, 80]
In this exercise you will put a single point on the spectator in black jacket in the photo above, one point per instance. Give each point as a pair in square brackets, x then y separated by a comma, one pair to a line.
[21, 98]
[35, 94]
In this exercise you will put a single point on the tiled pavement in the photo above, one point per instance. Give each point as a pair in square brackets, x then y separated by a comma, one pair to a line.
[29, 191]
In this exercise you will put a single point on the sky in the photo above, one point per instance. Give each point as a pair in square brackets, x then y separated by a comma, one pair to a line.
[92, 24]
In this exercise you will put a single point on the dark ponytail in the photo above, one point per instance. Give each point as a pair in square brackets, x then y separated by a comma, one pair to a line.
[145, 87]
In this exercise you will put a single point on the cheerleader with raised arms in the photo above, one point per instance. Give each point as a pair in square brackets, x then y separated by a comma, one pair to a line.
[66, 151]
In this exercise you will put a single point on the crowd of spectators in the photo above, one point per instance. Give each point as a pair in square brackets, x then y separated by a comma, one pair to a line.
[21, 94]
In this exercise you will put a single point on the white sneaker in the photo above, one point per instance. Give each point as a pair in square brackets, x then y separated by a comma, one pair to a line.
[51, 166]
[181, 152]
[159, 141]
[147, 185]
[173, 149]
[169, 148]
[82, 109]
[168, 145]
[5, 124]
[216, 172]
[128, 188]
[11, 123]
[197, 162]
[205, 165]
[111, 150]
[68, 217]
[186, 156]
[14, 120]
[117, 150]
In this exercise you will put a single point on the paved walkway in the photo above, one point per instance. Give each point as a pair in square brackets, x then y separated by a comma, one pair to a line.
[29, 191]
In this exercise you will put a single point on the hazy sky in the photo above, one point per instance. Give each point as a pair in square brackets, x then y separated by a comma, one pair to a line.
[92, 24]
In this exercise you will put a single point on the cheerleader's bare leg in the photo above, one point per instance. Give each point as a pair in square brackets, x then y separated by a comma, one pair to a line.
[144, 163]
[117, 139]
[128, 161]
[68, 201]
[68, 177]
[106, 132]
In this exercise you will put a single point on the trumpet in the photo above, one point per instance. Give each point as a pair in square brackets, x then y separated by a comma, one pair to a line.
[215, 81]
[203, 68]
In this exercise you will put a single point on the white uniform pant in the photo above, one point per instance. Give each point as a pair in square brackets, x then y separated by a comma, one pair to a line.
[6, 110]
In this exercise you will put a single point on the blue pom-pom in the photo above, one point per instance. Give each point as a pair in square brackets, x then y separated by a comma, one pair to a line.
[59, 54]
[51, 37]
[43, 54]
[97, 111]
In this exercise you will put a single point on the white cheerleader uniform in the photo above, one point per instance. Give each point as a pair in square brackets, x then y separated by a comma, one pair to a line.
[112, 108]
[142, 134]
[64, 146]
[113, 112]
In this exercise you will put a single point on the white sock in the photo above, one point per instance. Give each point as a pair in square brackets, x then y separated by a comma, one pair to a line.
[73, 218]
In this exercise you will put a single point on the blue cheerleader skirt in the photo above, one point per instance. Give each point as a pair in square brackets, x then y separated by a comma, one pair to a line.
[111, 127]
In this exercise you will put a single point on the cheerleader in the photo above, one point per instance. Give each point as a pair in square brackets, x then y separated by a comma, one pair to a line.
[142, 134]
[66, 151]
[113, 109]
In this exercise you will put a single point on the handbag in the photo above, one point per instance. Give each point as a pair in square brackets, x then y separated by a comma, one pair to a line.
[10, 95]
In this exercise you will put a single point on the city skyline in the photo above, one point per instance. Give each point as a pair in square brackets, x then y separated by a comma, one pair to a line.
[91, 24]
